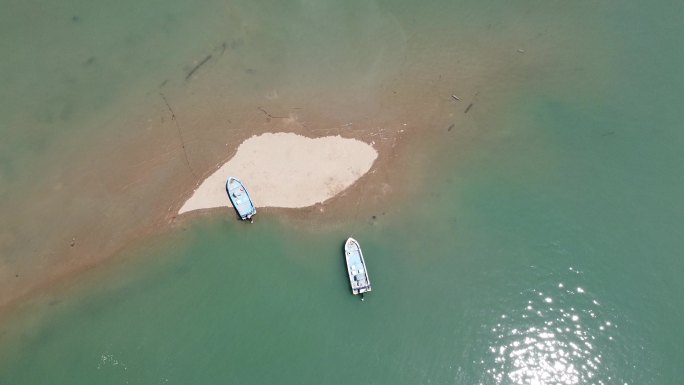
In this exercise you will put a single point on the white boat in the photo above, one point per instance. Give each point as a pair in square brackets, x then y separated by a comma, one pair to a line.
[239, 197]
[356, 267]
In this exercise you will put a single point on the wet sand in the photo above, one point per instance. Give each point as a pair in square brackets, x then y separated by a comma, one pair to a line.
[127, 173]
[127, 187]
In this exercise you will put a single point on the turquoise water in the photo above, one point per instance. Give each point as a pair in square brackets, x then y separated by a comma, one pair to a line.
[544, 248]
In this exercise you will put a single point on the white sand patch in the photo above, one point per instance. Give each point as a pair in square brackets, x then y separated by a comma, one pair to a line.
[287, 170]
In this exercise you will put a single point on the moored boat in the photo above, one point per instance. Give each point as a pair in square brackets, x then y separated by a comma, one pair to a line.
[356, 267]
[239, 197]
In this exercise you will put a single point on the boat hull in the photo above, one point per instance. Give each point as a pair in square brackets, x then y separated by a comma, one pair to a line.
[356, 267]
[239, 197]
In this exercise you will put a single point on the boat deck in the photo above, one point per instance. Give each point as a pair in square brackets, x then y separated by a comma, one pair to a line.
[240, 199]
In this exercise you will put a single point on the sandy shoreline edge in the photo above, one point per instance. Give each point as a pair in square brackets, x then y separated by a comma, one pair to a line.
[287, 170]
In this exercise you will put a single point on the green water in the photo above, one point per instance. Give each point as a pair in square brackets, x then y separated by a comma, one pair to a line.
[545, 247]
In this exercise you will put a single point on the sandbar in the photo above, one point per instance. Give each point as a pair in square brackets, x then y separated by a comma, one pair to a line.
[287, 170]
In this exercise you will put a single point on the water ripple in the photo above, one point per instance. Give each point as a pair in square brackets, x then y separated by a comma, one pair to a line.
[558, 334]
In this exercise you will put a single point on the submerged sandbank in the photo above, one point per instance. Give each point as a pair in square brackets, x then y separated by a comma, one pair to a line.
[287, 170]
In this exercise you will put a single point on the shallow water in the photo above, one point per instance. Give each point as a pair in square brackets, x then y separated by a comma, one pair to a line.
[543, 247]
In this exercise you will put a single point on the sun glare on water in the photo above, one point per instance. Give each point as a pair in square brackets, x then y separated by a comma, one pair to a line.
[556, 336]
